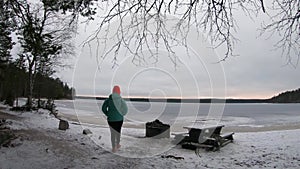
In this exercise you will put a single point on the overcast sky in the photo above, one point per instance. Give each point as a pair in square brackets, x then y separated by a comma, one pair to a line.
[257, 72]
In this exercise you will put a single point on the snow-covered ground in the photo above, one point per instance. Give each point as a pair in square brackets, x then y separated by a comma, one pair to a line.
[41, 145]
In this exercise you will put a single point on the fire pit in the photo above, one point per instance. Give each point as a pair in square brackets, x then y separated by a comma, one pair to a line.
[157, 129]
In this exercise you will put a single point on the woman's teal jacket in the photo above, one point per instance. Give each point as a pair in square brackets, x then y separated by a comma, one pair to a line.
[114, 108]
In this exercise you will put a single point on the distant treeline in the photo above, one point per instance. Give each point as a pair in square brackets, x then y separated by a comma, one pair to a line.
[172, 100]
[14, 84]
[287, 97]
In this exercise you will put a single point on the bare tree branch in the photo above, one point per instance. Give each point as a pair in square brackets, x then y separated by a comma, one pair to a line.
[152, 25]
[149, 25]
[286, 22]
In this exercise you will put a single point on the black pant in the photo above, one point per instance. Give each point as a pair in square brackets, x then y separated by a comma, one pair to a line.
[115, 132]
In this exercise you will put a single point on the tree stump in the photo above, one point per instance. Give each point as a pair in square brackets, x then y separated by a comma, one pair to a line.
[63, 125]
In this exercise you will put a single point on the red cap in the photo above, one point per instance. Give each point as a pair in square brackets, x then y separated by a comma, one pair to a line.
[116, 89]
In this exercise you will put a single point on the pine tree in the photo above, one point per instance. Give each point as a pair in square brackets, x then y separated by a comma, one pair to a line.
[42, 37]
[6, 44]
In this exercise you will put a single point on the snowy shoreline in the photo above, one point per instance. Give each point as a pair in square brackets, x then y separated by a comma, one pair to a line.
[178, 127]
[41, 145]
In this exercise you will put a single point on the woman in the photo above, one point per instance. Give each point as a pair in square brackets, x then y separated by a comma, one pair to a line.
[115, 108]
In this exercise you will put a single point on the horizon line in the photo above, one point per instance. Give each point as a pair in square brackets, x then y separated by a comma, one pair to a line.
[183, 98]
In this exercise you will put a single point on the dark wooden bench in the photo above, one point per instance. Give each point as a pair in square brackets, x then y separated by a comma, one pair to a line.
[208, 137]
[203, 133]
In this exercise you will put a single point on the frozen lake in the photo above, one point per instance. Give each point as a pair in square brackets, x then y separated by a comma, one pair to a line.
[182, 114]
